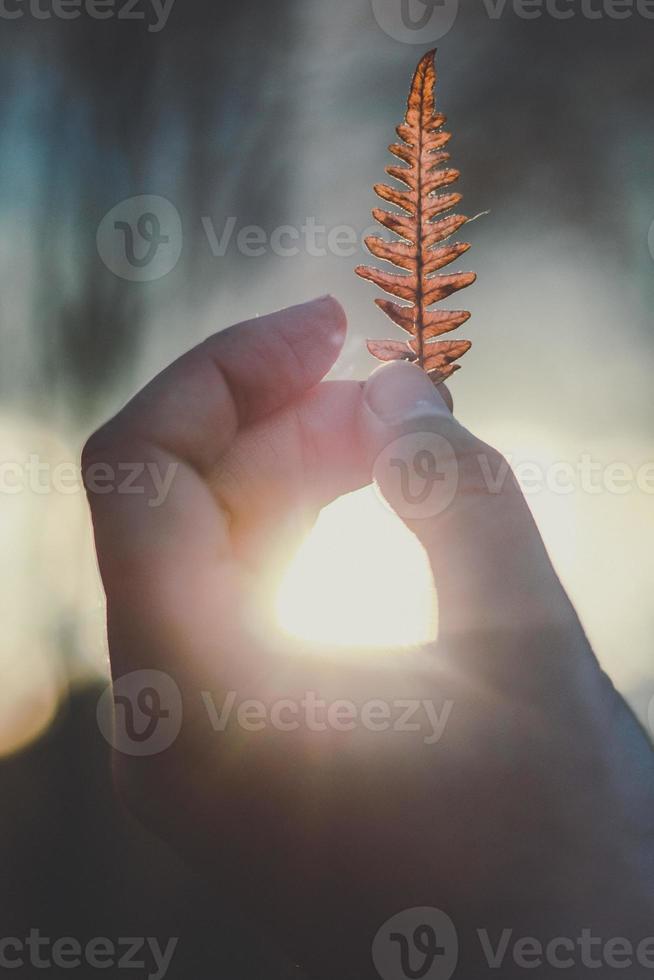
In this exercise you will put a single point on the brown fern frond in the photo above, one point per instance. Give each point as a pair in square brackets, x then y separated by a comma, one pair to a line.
[420, 229]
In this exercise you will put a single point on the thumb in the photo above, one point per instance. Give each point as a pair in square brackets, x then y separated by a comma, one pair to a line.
[460, 498]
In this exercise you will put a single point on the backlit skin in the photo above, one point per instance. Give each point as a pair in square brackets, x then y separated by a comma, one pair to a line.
[533, 811]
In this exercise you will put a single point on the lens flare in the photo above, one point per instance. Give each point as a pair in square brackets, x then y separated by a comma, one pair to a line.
[360, 578]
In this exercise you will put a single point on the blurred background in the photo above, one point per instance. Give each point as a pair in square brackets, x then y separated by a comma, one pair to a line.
[278, 116]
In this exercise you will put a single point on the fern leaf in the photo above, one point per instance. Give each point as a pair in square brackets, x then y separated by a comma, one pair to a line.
[420, 228]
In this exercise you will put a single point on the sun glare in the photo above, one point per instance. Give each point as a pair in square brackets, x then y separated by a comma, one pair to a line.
[360, 578]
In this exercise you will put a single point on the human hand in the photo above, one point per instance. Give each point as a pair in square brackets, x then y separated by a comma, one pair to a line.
[534, 808]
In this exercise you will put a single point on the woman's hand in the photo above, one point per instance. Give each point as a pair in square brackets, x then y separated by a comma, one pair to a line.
[533, 810]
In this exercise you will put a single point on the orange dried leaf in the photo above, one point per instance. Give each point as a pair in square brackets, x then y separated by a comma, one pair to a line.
[440, 287]
[406, 175]
[421, 152]
[401, 254]
[391, 350]
[401, 199]
[399, 223]
[402, 286]
[437, 258]
[402, 315]
[442, 321]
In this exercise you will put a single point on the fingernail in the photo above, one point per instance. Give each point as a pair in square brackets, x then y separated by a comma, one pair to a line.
[325, 298]
[399, 392]
[325, 313]
[330, 309]
[313, 304]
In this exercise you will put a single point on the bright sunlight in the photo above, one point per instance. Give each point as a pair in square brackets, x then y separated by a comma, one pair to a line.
[360, 578]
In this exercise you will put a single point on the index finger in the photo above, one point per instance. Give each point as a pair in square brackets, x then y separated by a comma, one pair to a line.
[193, 409]
[165, 567]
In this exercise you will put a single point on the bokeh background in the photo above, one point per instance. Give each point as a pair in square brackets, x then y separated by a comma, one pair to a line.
[279, 114]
